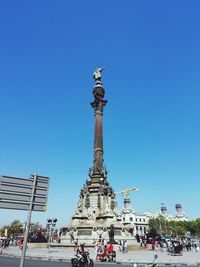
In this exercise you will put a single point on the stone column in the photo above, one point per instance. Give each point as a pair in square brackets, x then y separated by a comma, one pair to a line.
[98, 105]
[98, 140]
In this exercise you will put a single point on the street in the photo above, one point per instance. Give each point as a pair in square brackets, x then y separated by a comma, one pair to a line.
[14, 262]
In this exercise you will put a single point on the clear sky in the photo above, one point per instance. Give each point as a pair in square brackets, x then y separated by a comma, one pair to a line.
[48, 52]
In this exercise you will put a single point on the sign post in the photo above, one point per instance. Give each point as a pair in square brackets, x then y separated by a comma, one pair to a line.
[24, 194]
[28, 223]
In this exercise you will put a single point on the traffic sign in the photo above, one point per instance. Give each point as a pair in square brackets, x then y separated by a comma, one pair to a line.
[17, 193]
[24, 194]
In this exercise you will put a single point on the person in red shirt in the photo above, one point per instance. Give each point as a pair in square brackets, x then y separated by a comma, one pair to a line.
[20, 243]
[111, 252]
[110, 248]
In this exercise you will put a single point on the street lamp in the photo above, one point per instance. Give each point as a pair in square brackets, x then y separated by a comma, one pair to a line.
[50, 224]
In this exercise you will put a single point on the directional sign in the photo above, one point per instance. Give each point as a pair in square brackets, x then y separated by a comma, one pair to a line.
[21, 197]
[20, 206]
[24, 194]
[16, 193]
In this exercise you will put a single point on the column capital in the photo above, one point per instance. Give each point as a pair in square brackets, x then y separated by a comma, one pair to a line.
[98, 92]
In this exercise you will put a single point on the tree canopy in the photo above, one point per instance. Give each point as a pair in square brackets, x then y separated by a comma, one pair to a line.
[17, 228]
[161, 226]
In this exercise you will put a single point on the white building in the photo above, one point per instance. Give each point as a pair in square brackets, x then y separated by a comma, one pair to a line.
[137, 223]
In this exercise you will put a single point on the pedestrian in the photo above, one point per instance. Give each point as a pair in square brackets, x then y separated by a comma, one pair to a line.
[71, 238]
[161, 246]
[120, 245]
[145, 244]
[110, 252]
[76, 246]
[124, 246]
[96, 245]
[20, 243]
[153, 244]
[141, 242]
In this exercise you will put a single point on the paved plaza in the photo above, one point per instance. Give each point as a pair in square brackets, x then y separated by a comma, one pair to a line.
[142, 256]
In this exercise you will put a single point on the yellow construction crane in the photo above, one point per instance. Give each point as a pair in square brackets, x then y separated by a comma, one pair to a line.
[127, 191]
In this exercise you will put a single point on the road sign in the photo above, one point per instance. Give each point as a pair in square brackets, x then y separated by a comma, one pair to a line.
[21, 197]
[24, 194]
[16, 193]
[21, 206]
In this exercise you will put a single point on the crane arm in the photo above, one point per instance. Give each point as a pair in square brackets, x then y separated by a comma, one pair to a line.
[126, 191]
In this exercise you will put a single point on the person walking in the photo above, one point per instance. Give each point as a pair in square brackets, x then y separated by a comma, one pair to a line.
[71, 238]
[110, 252]
[141, 242]
[126, 246]
[153, 244]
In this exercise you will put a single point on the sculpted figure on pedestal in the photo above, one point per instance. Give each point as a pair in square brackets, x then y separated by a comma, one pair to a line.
[97, 74]
[91, 214]
[107, 208]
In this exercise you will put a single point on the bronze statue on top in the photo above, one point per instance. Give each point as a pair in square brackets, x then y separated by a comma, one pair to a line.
[97, 74]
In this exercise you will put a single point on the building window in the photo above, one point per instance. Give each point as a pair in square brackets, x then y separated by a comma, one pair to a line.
[131, 219]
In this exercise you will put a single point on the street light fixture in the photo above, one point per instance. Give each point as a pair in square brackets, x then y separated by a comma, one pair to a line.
[50, 224]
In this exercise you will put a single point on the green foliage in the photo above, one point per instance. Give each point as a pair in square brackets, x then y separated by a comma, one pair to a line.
[4, 230]
[154, 227]
[195, 227]
[161, 226]
[34, 227]
[16, 228]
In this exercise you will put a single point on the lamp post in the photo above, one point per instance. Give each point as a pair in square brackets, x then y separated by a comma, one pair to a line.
[50, 224]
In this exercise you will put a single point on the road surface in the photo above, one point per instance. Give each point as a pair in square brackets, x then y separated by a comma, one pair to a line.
[14, 262]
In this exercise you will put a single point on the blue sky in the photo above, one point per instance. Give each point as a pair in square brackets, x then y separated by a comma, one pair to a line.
[48, 52]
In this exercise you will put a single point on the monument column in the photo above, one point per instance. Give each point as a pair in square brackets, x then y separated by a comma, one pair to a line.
[97, 207]
[98, 106]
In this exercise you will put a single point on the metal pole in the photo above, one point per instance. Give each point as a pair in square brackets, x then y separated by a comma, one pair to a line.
[49, 239]
[28, 223]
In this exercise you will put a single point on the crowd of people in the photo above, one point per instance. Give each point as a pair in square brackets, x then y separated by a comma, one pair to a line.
[106, 251]
[6, 242]
[169, 245]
